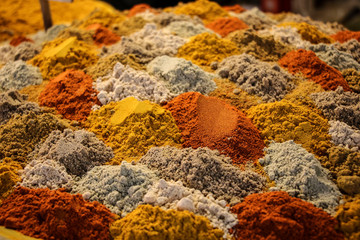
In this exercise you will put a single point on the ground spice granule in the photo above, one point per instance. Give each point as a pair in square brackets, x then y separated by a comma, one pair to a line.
[210, 122]
[21, 133]
[71, 94]
[352, 77]
[63, 54]
[55, 214]
[9, 177]
[276, 215]
[224, 26]
[233, 95]
[19, 39]
[314, 69]
[103, 36]
[205, 48]
[308, 32]
[206, 10]
[234, 8]
[282, 121]
[346, 35]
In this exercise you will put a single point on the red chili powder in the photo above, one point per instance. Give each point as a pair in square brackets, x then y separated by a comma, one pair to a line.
[55, 214]
[210, 122]
[224, 26]
[276, 215]
[19, 39]
[346, 35]
[234, 8]
[314, 69]
[103, 36]
[71, 94]
[139, 8]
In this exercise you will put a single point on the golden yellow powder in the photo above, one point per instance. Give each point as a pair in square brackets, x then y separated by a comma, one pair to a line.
[6, 233]
[349, 217]
[206, 10]
[101, 16]
[63, 54]
[234, 95]
[300, 95]
[205, 48]
[284, 120]
[8, 177]
[129, 26]
[153, 223]
[131, 127]
[308, 32]
[28, 17]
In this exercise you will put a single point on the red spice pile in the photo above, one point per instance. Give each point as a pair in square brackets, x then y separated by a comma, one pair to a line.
[344, 36]
[224, 26]
[71, 93]
[276, 215]
[50, 214]
[139, 8]
[210, 122]
[103, 36]
[234, 8]
[19, 39]
[314, 69]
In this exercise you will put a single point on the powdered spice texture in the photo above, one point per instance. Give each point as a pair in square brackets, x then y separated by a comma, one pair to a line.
[265, 48]
[12, 102]
[314, 69]
[63, 54]
[339, 105]
[352, 77]
[21, 133]
[50, 214]
[206, 10]
[346, 35]
[78, 151]
[71, 94]
[153, 223]
[299, 173]
[205, 170]
[210, 122]
[131, 127]
[276, 215]
[205, 48]
[18, 74]
[224, 26]
[283, 121]
[265, 80]
[120, 188]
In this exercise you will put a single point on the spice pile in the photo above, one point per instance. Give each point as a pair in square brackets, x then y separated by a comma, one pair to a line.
[197, 121]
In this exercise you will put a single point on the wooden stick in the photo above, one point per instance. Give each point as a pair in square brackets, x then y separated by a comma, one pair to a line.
[46, 14]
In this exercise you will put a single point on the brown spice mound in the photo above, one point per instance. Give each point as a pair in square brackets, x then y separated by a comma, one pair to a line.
[233, 95]
[103, 36]
[71, 94]
[344, 36]
[352, 77]
[106, 64]
[265, 48]
[314, 69]
[19, 39]
[226, 25]
[50, 214]
[210, 122]
[276, 215]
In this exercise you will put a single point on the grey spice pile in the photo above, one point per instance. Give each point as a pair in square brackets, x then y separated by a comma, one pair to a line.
[204, 169]
[267, 81]
[299, 173]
